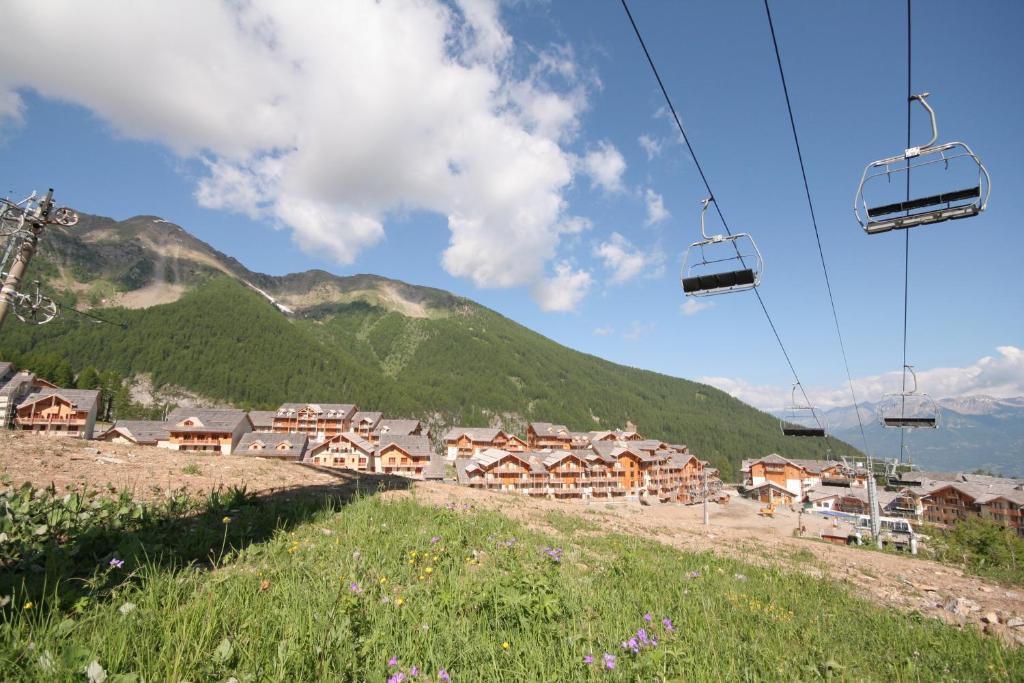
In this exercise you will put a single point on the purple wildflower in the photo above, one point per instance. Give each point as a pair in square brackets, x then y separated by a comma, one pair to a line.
[647, 617]
[354, 587]
[588, 659]
[642, 635]
[442, 675]
[393, 661]
[434, 539]
[695, 574]
[667, 623]
[397, 678]
[631, 645]
[414, 672]
[609, 661]
[116, 563]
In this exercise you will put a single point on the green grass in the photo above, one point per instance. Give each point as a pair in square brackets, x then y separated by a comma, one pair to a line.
[273, 600]
[191, 468]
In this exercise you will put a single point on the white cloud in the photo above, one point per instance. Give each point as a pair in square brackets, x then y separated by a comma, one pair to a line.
[326, 117]
[605, 166]
[604, 331]
[638, 330]
[651, 147]
[656, 211]
[999, 376]
[563, 292]
[694, 306]
[12, 109]
[627, 261]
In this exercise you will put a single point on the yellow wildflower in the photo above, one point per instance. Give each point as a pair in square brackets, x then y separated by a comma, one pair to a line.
[428, 570]
[226, 520]
[505, 645]
[399, 601]
[422, 577]
[29, 605]
[383, 580]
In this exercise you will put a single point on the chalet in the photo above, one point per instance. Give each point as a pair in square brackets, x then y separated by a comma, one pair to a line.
[318, 421]
[406, 455]
[270, 445]
[139, 432]
[1006, 509]
[516, 444]
[798, 476]
[262, 420]
[495, 469]
[465, 442]
[348, 450]
[567, 474]
[770, 492]
[364, 422]
[387, 428]
[205, 430]
[544, 435]
[59, 412]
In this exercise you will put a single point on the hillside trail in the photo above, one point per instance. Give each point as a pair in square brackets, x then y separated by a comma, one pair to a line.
[736, 531]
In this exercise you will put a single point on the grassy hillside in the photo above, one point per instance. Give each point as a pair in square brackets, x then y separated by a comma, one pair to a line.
[361, 590]
[469, 366]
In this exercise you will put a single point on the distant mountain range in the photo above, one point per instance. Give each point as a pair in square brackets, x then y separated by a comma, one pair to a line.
[197, 319]
[974, 432]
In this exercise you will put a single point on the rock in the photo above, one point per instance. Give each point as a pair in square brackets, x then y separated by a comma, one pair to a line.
[961, 606]
[1013, 595]
[926, 588]
[984, 589]
[1001, 632]
[1015, 622]
[990, 618]
[91, 451]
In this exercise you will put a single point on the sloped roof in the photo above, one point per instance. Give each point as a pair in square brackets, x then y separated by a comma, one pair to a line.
[262, 420]
[415, 446]
[211, 419]
[5, 368]
[140, 431]
[272, 442]
[16, 384]
[391, 427]
[435, 469]
[555, 457]
[549, 429]
[476, 434]
[371, 416]
[80, 399]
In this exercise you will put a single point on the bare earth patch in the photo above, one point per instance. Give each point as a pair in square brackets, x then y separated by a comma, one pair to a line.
[897, 581]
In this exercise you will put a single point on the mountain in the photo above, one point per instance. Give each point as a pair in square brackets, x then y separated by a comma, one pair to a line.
[974, 432]
[199, 320]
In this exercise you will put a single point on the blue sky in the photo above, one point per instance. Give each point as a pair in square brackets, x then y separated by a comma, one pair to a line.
[95, 128]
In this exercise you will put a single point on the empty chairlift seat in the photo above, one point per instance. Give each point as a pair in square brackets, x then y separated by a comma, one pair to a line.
[908, 409]
[802, 419]
[933, 208]
[718, 264]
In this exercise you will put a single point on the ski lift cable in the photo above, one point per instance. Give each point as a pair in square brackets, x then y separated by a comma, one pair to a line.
[707, 185]
[814, 223]
[906, 237]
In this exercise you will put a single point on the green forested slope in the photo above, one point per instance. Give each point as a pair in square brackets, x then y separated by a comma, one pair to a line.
[224, 341]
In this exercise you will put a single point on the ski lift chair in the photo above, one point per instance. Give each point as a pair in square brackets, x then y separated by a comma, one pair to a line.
[935, 208]
[703, 274]
[909, 409]
[802, 419]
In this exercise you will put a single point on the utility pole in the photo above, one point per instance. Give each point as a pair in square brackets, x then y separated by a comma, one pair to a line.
[23, 223]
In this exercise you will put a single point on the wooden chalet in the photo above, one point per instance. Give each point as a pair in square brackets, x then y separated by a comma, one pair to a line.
[465, 442]
[205, 430]
[318, 421]
[59, 412]
[364, 422]
[407, 455]
[349, 450]
[270, 445]
[800, 476]
[495, 469]
[546, 436]
[140, 432]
